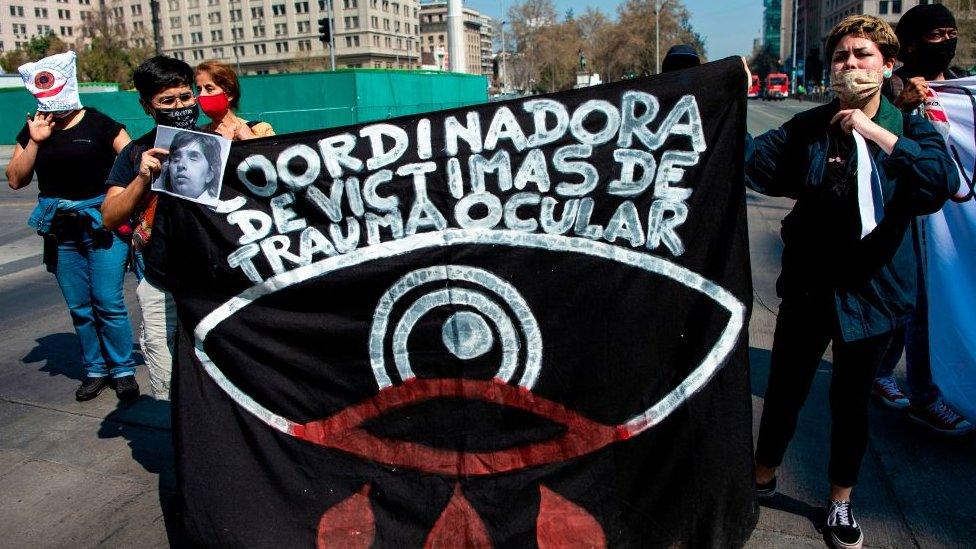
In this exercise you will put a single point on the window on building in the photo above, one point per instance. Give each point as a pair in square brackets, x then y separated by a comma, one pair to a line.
[352, 22]
[196, 37]
[895, 6]
[213, 2]
[214, 17]
[374, 22]
[138, 26]
[193, 4]
[216, 36]
[17, 11]
[66, 31]
[301, 7]
[257, 31]
[260, 49]
[386, 24]
[257, 12]
[388, 42]
[278, 10]
[396, 8]
[281, 29]
[179, 55]
[218, 53]
[177, 39]
[40, 12]
[194, 20]
[237, 33]
[239, 51]
[350, 4]
[282, 47]
[304, 45]
[386, 5]
[376, 41]
[197, 55]
[304, 27]
[136, 9]
[883, 7]
[174, 5]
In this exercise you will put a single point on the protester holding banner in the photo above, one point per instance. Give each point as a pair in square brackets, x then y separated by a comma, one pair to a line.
[220, 94]
[165, 92]
[71, 149]
[859, 170]
[927, 34]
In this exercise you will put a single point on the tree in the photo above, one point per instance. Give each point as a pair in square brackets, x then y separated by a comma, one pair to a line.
[111, 53]
[38, 47]
[550, 48]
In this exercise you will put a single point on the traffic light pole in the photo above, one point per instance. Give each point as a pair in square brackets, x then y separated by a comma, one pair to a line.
[328, 13]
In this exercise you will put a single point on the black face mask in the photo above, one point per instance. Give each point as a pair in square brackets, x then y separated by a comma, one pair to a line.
[933, 58]
[184, 118]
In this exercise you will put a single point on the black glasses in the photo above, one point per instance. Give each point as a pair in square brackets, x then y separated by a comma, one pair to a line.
[170, 100]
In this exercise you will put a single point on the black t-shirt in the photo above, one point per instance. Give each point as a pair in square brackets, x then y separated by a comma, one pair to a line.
[124, 170]
[73, 163]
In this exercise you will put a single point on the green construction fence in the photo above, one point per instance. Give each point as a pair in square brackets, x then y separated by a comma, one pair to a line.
[292, 102]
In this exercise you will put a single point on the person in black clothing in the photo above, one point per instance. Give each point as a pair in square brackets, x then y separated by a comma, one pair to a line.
[71, 152]
[165, 92]
[848, 275]
[928, 36]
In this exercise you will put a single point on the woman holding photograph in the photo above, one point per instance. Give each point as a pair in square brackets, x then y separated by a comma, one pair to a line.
[219, 96]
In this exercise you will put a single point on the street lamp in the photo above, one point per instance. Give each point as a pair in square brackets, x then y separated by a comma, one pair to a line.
[504, 67]
[658, 4]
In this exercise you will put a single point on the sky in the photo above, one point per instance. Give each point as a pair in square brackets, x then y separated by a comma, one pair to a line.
[729, 26]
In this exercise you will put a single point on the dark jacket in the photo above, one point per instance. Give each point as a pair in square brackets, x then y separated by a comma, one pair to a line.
[871, 281]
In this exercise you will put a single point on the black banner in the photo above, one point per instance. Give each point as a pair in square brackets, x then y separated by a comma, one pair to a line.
[517, 324]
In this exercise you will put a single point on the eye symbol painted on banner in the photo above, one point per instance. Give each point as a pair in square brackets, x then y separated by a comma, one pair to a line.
[487, 314]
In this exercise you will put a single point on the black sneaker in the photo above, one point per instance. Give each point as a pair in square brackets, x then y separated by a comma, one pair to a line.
[126, 387]
[90, 387]
[844, 530]
[766, 490]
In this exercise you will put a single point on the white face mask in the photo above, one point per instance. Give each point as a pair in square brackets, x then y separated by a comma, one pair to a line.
[855, 87]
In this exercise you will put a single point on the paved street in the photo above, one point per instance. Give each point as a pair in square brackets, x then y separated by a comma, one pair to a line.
[91, 474]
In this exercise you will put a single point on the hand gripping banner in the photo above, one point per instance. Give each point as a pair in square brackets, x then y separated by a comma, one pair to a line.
[517, 324]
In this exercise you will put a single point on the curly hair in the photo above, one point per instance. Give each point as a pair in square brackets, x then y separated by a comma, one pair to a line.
[864, 26]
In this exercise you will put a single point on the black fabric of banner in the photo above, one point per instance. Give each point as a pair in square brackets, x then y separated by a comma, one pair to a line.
[489, 376]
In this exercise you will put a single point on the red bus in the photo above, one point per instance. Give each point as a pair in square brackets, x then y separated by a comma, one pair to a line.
[754, 87]
[777, 86]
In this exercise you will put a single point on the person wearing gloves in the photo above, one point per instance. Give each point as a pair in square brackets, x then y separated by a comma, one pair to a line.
[71, 149]
[859, 170]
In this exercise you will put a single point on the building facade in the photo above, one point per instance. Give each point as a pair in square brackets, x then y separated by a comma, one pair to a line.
[816, 18]
[772, 23]
[478, 38]
[261, 36]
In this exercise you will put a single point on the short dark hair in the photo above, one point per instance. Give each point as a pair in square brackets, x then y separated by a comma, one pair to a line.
[159, 73]
[864, 26]
[208, 144]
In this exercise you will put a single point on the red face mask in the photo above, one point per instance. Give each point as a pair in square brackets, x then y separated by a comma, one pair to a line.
[214, 106]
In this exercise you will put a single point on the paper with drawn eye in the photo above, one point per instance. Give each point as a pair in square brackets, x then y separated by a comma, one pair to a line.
[870, 200]
[194, 168]
[53, 82]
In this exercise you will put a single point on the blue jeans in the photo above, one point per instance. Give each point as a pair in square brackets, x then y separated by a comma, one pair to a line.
[90, 270]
